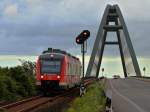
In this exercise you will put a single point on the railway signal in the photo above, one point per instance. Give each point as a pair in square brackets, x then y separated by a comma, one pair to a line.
[82, 37]
[144, 69]
[102, 72]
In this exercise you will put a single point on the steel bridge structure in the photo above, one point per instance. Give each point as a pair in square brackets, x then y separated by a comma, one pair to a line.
[113, 21]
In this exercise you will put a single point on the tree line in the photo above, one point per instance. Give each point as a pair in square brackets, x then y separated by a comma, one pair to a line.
[17, 82]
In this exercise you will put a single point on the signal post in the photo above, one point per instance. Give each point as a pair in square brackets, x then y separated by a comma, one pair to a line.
[81, 39]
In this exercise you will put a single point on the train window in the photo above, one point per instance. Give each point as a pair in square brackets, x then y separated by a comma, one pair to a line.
[78, 69]
[69, 70]
[74, 69]
[50, 66]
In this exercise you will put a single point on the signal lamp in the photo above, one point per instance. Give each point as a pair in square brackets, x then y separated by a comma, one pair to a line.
[83, 36]
[78, 40]
[85, 33]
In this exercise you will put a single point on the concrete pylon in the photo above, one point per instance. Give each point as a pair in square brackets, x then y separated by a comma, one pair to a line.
[113, 21]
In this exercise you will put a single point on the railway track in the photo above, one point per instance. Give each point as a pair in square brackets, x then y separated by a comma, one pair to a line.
[34, 102]
[3, 103]
[7, 104]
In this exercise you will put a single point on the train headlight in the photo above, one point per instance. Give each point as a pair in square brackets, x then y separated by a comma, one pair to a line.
[58, 77]
[42, 76]
[52, 55]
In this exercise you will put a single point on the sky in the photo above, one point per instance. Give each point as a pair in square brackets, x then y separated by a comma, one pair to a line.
[27, 27]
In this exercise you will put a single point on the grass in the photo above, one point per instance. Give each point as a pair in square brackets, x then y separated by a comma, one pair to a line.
[93, 101]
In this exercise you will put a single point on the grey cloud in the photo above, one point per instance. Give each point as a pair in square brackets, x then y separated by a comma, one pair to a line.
[56, 25]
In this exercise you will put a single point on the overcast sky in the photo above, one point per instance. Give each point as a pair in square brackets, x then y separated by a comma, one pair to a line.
[27, 27]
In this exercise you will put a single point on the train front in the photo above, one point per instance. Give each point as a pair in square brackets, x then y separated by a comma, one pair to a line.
[49, 70]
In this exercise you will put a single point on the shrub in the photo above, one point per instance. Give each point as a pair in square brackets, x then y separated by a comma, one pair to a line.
[17, 82]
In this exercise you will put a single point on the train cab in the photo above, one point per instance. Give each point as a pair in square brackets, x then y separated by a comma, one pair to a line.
[57, 69]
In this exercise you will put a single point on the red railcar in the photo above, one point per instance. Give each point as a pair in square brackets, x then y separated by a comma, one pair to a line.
[56, 69]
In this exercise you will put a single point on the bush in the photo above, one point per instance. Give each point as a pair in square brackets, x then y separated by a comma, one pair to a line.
[17, 82]
[93, 101]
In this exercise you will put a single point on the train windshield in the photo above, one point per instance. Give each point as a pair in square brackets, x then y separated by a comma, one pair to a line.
[50, 66]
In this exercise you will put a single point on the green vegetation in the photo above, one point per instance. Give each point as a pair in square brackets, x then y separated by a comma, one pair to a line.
[93, 101]
[17, 82]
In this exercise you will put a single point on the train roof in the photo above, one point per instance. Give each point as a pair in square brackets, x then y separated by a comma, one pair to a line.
[51, 50]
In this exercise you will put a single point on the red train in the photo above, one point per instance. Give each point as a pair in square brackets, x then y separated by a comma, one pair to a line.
[57, 69]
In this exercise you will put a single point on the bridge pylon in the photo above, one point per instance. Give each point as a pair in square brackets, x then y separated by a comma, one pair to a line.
[113, 21]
